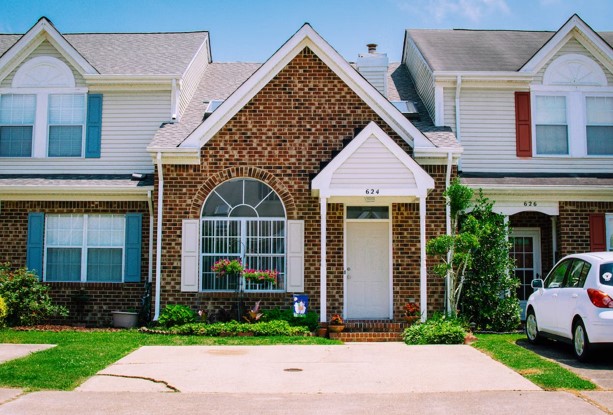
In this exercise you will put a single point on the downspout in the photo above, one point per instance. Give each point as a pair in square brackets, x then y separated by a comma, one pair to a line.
[158, 245]
[458, 87]
[150, 204]
[448, 227]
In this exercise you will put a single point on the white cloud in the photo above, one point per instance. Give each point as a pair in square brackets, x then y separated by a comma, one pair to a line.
[473, 10]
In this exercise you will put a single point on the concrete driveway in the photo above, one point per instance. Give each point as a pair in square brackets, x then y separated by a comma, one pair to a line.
[350, 368]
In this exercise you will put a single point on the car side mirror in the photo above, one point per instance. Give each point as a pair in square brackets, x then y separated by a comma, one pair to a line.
[537, 283]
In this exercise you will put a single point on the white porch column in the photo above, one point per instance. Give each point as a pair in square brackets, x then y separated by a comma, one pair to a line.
[554, 239]
[323, 208]
[423, 276]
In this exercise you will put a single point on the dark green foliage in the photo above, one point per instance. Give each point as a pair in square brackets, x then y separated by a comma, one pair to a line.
[489, 298]
[458, 197]
[234, 328]
[310, 320]
[176, 315]
[27, 299]
[437, 330]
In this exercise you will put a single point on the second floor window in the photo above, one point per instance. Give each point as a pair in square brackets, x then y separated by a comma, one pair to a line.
[66, 125]
[17, 116]
[550, 125]
[599, 125]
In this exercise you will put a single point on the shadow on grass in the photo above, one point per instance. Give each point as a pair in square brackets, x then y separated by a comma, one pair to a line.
[602, 358]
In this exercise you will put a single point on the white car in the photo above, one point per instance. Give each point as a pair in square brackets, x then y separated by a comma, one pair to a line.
[574, 303]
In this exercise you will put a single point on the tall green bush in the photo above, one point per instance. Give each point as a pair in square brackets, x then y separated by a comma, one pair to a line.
[490, 299]
[27, 299]
[3, 312]
[176, 315]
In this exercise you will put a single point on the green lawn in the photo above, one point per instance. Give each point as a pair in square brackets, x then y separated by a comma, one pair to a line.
[544, 373]
[79, 355]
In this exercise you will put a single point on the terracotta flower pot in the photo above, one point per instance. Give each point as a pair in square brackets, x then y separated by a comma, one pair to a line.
[336, 328]
[411, 319]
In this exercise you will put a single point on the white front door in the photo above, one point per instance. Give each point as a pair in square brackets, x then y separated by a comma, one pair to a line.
[526, 251]
[367, 271]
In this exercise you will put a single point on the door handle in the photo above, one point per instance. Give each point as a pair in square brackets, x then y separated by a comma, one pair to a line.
[575, 295]
[554, 295]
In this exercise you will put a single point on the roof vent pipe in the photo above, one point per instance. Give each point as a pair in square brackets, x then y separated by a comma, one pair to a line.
[372, 48]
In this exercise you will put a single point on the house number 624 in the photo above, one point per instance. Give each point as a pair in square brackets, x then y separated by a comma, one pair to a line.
[372, 191]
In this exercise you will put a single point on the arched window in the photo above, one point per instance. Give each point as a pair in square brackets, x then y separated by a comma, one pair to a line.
[243, 219]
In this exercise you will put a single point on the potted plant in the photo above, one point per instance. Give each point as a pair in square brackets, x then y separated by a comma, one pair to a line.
[411, 312]
[257, 276]
[225, 267]
[125, 319]
[336, 324]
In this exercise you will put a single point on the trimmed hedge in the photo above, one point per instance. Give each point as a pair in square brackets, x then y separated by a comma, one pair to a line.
[435, 331]
[233, 328]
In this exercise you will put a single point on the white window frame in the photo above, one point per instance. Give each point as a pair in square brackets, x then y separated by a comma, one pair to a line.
[576, 117]
[22, 125]
[83, 125]
[608, 224]
[84, 247]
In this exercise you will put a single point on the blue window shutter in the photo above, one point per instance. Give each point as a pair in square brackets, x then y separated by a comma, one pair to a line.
[94, 126]
[34, 252]
[133, 246]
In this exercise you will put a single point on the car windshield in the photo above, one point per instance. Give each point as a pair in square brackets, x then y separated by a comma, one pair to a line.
[606, 274]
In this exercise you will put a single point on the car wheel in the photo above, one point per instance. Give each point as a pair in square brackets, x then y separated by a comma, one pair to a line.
[581, 343]
[532, 328]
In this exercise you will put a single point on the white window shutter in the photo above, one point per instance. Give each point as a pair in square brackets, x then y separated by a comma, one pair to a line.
[295, 256]
[190, 254]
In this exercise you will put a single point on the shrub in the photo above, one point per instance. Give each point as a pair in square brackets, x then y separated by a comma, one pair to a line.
[27, 299]
[437, 330]
[233, 328]
[176, 315]
[3, 312]
[310, 319]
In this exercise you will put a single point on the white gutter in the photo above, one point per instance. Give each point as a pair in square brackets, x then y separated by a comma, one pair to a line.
[150, 205]
[158, 245]
[448, 227]
[458, 87]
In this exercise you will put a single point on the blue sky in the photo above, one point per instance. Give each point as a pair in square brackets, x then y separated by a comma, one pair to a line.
[251, 30]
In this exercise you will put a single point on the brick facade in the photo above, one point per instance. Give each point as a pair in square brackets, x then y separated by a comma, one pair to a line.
[102, 298]
[296, 121]
[575, 224]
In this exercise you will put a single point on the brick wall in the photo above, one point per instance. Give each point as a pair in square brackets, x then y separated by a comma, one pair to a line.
[103, 297]
[299, 119]
[575, 225]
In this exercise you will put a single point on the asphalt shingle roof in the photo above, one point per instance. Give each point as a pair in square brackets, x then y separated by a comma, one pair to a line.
[481, 50]
[78, 180]
[131, 53]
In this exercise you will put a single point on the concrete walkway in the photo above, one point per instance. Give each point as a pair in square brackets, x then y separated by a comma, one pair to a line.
[355, 378]
[350, 368]
[10, 351]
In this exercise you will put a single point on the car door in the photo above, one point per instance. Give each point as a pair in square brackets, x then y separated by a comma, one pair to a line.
[568, 296]
[546, 298]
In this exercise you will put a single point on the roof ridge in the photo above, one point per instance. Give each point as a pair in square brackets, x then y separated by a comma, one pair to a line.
[138, 33]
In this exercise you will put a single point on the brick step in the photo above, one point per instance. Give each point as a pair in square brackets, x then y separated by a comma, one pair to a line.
[375, 326]
[367, 337]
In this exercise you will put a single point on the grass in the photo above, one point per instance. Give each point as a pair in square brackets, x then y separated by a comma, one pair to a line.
[79, 355]
[543, 372]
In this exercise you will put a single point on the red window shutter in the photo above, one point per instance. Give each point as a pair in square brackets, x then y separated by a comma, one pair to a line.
[598, 238]
[523, 124]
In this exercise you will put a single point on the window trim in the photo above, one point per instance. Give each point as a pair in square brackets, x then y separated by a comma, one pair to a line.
[576, 117]
[84, 247]
[40, 130]
[608, 217]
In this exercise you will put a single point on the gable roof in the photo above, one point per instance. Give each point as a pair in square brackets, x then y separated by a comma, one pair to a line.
[119, 53]
[545, 53]
[412, 178]
[484, 50]
[305, 37]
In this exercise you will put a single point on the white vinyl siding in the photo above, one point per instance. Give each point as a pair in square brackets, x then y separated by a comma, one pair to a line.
[129, 122]
[373, 165]
[422, 75]
[191, 80]
[449, 106]
[488, 138]
[572, 46]
[44, 49]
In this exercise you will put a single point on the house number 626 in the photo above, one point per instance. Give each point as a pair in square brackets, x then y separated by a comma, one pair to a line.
[372, 191]
[529, 203]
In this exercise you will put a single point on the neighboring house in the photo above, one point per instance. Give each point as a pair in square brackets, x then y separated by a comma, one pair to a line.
[128, 158]
[534, 114]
